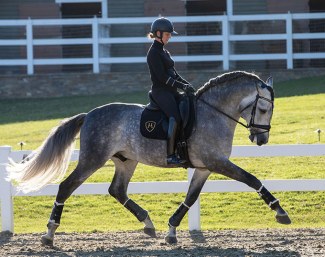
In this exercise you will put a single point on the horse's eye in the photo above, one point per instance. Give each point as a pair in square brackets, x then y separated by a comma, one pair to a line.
[263, 111]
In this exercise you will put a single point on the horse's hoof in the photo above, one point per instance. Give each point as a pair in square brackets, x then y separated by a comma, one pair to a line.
[283, 219]
[47, 241]
[171, 239]
[150, 232]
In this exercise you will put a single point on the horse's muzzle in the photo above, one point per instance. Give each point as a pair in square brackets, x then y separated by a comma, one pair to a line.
[259, 139]
[252, 138]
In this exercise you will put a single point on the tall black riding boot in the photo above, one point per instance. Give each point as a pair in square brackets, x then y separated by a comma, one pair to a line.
[172, 158]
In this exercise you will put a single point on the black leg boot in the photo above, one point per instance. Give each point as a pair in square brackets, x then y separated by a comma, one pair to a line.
[281, 215]
[171, 156]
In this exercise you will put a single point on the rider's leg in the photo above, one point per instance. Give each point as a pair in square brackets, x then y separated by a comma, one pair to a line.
[167, 102]
[172, 158]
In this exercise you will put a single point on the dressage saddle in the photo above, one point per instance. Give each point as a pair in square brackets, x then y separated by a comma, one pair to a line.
[154, 123]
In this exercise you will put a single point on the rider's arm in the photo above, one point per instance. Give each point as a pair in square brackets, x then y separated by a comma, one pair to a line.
[180, 78]
[157, 67]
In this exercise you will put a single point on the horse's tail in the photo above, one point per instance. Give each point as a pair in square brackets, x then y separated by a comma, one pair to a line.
[49, 162]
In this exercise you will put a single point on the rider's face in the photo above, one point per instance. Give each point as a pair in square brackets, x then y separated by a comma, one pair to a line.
[166, 36]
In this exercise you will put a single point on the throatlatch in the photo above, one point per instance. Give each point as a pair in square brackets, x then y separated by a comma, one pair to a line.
[179, 214]
[136, 210]
[268, 198]
[56, 212]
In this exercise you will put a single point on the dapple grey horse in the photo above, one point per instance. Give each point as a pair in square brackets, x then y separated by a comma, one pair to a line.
[112, 132]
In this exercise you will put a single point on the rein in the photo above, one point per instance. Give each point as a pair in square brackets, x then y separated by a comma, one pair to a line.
[251, 122]
[222, 112]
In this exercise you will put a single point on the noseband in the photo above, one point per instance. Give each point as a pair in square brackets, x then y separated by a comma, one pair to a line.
[251, 123]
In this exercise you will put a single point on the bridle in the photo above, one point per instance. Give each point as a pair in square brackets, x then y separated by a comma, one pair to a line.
[251, 123]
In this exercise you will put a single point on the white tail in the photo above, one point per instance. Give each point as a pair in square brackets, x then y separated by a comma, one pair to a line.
[50, 161]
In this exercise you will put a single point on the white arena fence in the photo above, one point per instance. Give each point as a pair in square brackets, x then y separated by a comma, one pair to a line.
[8, 191]
[100, 40]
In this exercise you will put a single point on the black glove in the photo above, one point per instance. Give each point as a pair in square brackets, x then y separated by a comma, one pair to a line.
[189, 89]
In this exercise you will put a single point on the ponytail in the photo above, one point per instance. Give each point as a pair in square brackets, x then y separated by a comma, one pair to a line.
[151, 35]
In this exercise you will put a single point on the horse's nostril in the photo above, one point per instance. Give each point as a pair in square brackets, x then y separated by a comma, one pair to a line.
[262, 141]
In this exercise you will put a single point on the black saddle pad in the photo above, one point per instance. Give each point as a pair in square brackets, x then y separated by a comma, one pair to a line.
[154, 124]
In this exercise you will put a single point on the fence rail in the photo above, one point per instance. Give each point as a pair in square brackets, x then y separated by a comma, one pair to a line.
[8, 191]
[98, 39]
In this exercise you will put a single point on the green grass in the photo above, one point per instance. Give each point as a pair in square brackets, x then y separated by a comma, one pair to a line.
[218, 211]
[299, 111]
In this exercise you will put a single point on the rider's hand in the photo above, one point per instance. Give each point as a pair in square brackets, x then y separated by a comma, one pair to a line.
[189, 89]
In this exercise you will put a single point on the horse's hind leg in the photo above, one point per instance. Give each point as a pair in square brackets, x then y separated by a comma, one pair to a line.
[198, 180]
[231, 170]
[123, 172]
[84, 169]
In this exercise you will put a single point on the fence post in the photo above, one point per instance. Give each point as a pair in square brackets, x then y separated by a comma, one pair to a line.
[29, 47]
[289, 41]
[225, 42]
[5, 192]
[104, 9]
[194, 212]
[229, 7]
[95, 45]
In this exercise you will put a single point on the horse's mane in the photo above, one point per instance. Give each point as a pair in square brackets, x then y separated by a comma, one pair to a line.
[224, 78]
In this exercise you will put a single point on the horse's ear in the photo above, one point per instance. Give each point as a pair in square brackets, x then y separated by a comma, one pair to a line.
[269, 82]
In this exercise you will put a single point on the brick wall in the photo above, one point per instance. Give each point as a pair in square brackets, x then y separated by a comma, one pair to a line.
[57, 85]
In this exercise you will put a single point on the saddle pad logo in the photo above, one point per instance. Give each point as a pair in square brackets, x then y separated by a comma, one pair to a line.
[150, 125]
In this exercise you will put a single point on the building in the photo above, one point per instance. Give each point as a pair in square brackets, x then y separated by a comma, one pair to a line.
[85, 9]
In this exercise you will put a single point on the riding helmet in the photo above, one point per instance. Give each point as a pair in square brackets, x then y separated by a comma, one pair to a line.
[164, 25]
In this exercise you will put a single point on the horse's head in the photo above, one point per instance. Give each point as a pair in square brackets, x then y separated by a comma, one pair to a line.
[258, 112]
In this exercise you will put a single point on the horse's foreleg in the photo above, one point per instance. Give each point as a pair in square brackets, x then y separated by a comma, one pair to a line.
[281, 215]
[118, 189]
[231, 170]
[197, 182]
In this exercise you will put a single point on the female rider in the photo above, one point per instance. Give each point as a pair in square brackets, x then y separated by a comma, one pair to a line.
[166, 81]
